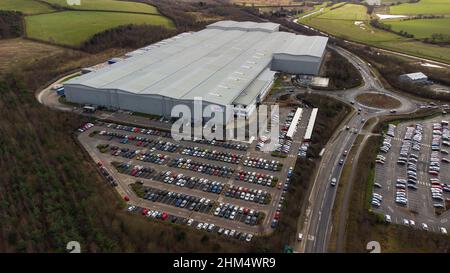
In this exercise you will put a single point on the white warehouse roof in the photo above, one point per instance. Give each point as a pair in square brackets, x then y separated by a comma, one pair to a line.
[304, 46]
[216, 64]
[245, 26]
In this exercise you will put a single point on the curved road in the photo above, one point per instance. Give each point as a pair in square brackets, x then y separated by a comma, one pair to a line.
[316, 225]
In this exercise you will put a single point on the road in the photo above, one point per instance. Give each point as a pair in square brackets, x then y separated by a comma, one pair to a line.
[316, 226]
[315, 222]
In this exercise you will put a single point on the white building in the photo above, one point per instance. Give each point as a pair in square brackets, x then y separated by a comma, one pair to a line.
[417, 77]
[228, 63]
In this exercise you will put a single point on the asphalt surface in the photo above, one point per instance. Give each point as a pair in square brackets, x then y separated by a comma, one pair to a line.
[90, 143]
[420, 204]
[315, 222]
[315, 225]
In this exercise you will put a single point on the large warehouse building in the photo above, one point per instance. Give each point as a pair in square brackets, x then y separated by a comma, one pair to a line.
[228, 63]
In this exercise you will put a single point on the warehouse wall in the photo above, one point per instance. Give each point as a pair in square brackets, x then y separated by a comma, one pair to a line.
[116, 99]
[296, 64]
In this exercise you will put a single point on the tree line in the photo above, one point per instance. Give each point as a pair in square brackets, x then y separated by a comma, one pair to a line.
[11, 24]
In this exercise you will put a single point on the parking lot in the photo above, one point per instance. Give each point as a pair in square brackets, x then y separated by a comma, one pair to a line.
[231, 188]
[412, 175]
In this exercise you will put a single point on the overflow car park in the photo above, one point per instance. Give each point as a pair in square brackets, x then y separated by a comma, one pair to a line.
[412, 175]
[231, 188]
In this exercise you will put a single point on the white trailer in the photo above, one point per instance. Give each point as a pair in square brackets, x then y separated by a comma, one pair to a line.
[310, 127]
[293, 127]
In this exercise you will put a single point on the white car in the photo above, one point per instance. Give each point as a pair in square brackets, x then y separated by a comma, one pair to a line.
[333, 181]
[443, 230]
[406, 222]
[387, 218]
[424, 226]
[200, 226]
[300, 237]
[190, 221]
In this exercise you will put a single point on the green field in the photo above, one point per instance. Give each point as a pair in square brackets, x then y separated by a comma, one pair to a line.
[422, 7]
[72, 28]
[346, 12]
[422, 28]
[25, 6]
[361, 31]
[109, 5]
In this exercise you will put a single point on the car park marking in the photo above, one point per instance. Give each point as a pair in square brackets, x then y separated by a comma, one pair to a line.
[124, 180]
[385, 172]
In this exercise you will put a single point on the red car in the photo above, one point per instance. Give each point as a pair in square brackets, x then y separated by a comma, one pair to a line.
[277, 215]
[144, 211]
[164, 216]
[126, 198]
[99, 164]
[279, 185]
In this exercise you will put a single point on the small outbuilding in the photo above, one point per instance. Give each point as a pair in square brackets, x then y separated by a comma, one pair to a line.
[417, 77]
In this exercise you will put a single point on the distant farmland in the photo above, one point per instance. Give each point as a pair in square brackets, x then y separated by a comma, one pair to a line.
[57, 22]
[351, 22]
[72, 28]
[108, 5]
[423, 28]
[25, 6]
[422, 7]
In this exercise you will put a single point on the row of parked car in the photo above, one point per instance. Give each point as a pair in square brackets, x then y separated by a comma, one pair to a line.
[387, 141]
[252, 195]
[85, 127]
[401, 197]
[276, 217]
[233, 212]
[134, 170]
[212, 155]
[376, 199]
[256, 178]
[106, 174]
[155, 214]
[163, 216]
[437, 192]
[180, 200]
[380, 159]
[223, 144]
[138, 130]
[156, 132]
[262, 163]
[285, 142]
[147, 156]
[434, 167]
[303, 149]
[387, 144]
[191, 182]
[391, 130]
[439, 135]
[160, 145]
[211, 169]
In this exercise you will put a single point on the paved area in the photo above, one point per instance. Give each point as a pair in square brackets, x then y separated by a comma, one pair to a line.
[107, 135]
[420, 204]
